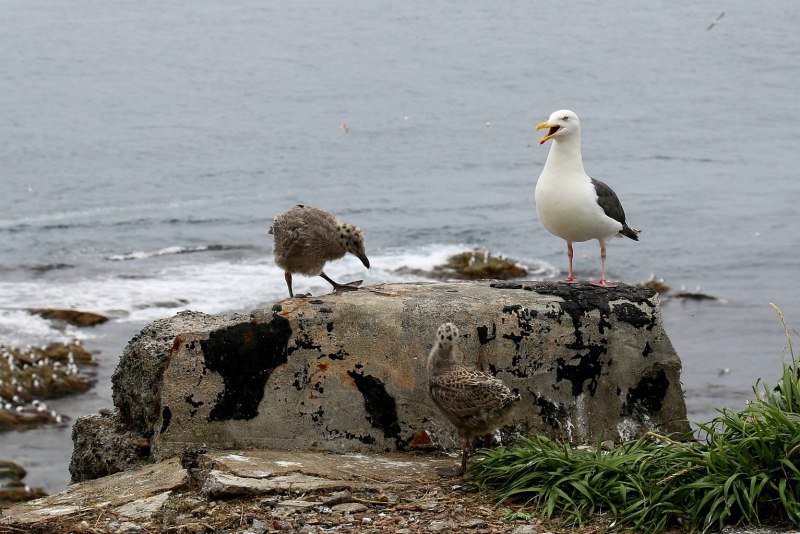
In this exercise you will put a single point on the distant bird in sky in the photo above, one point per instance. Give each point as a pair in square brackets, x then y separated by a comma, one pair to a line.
[715, 21]
[475, 402]
[570, 203]
[307, 238]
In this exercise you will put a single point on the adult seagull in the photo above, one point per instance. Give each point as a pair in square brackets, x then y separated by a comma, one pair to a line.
[570, 203]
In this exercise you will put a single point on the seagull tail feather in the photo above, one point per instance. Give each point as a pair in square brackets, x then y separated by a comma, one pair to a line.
[632, 233]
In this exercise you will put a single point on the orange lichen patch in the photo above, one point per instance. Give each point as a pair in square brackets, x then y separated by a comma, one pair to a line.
[249, 336]
[422, 441]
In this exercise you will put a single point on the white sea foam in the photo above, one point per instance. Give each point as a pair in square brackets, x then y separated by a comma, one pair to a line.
[166, 251]
[207, 286]
[20, 328]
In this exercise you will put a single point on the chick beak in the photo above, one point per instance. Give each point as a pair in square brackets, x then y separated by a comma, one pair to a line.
[364, 260]
[553, 128]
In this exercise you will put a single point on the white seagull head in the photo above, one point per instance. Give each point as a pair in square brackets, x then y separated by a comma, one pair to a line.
[561, 125]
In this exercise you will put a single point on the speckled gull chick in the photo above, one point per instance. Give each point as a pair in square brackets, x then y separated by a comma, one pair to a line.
[570, 203]
[307, 238]
[475, 402]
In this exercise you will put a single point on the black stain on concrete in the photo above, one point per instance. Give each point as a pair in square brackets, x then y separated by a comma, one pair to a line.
[303, 341]
[483, 334]
[647, 397]
[633, 315]
[581, 299]
[506, 285]
[340, 354]
[194, 404]
[166, 417]
[525, 324]
[380, 406]
[555, 415]
[647, 350]
[318, 416]
[245, 356]
[300, 378]
[587, 368]
[366, 440]
[515, 338]
[329, 326]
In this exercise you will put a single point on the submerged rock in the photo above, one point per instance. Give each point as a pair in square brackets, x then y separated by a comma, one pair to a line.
[656, 284]
[30, 375]
[12, 488]
[659, 285]
[475, 264]
[73, 317]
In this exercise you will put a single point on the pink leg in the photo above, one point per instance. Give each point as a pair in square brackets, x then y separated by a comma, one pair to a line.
[570, 279]
[602, 282]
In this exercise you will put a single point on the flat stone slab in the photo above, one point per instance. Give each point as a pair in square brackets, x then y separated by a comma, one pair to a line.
[140, 494]
[267, 471]
[112, 491]
[367, 468]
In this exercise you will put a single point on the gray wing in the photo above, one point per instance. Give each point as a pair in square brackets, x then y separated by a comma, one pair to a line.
[612, 207]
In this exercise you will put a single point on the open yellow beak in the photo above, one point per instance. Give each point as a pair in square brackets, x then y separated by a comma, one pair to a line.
[553, 129]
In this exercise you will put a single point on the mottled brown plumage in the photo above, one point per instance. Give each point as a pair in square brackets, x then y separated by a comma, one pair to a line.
[475, 402]
[307, 238]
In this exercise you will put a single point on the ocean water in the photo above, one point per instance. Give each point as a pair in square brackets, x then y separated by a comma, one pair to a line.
[146, 147]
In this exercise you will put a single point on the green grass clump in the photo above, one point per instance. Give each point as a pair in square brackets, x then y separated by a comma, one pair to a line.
[746, 472]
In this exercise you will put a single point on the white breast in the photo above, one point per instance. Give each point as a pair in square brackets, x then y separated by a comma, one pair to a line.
[567, 207]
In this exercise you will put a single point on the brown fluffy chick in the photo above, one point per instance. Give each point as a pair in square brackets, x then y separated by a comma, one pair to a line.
[475, 402]
[307, 238]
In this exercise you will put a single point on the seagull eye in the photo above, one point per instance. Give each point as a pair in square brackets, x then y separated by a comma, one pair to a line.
[564, 118]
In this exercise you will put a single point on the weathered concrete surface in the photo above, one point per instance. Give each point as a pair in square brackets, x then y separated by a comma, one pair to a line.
[347, 372]
[104, 446]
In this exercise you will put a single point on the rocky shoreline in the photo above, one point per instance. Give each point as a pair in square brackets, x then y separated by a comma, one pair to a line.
[30, 376]
[261, 491]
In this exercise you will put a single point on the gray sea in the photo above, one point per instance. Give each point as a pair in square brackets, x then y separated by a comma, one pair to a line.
[145, 147]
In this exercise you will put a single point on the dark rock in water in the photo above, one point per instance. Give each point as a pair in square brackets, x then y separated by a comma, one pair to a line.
[42, 268]
[472, 265]
[12, 488]
[657, 284]
[67, 352]
[662, 288]
[29, 375]
[73, 317]
[694, 295]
